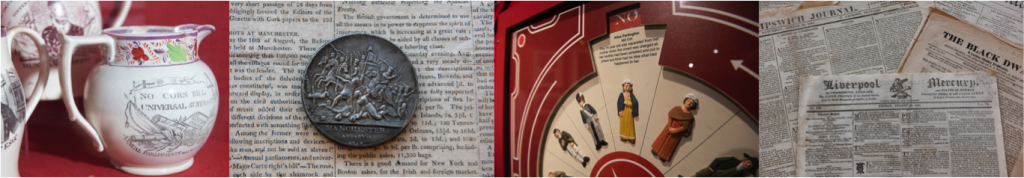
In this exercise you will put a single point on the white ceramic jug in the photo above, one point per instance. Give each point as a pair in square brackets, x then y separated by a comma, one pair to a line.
[52, 19]
[152, 102]
[14, 107]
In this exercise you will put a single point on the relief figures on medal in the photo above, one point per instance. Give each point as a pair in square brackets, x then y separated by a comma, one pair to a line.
[360, 90]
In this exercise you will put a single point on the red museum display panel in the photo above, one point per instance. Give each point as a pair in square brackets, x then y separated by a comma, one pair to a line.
[642, 58]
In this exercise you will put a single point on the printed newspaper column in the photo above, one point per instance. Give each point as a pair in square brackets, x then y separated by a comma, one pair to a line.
[937, 124]
[948, 44]
[838, 39]
[483, 60]
[272, 43]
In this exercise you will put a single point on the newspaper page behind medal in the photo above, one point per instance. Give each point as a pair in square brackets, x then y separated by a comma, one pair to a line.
[449, 45]
[948, 44]
[934, 124]
[833, 39]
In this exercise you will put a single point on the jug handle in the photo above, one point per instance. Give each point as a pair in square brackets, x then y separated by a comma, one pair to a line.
[69, 45]
[44, 65]
[122, 14]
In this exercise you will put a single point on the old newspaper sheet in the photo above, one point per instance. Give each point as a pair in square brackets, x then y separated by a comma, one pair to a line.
[450, 45]
[1004, 18]
[768, 5]
[833, 39]
[935, 124]
[948, 44]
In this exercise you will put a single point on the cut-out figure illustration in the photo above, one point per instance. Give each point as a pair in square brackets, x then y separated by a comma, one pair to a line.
[589, 115]
[680, 124]
[730, 167]
[568, 144]
[628, 109]
[557, 174]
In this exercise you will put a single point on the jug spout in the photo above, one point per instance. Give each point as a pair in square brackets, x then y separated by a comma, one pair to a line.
[202, 30]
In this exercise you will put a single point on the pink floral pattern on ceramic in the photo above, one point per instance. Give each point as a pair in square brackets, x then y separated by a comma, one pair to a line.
[156, 45]
[156, 52]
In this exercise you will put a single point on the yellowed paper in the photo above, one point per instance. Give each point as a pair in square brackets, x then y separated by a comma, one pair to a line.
[903, 125]
[1004, 18]
[449, 43]
[823, 38]
[949, 44]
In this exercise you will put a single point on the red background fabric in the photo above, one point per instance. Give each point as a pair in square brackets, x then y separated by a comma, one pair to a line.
[55, 147]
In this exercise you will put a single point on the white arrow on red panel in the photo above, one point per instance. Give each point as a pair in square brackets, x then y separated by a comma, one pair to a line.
[736, 65]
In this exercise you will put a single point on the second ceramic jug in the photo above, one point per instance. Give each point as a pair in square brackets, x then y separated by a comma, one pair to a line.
[12, 97]
[52, 19]
[152, 102]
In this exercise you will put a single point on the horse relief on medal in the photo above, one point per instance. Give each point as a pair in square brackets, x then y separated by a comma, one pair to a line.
[360, 90]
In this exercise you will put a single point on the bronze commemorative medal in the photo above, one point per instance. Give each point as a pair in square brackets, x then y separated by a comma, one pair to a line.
[360, 90]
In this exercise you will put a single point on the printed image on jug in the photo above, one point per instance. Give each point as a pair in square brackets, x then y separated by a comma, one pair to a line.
[170, 123]
[13, 106]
